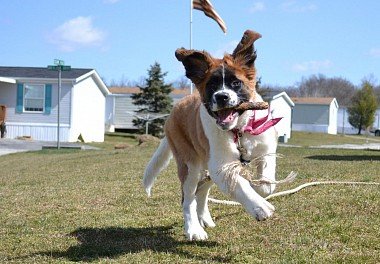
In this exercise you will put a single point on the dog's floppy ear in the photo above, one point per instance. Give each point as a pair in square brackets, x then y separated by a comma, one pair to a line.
[244, 51]
[196, 63]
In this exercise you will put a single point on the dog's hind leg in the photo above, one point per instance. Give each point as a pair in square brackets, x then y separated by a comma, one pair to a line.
[266, 170]
[264, 157]
[202, 193]
[193, 228]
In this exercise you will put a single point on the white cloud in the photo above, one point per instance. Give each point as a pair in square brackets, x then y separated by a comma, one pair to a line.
[257, 7]
[76, 33]
[375, 53]
[227, 48]
[312, 66]
[295, 7]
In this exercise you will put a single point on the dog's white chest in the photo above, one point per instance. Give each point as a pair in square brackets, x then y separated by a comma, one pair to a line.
[246, 145]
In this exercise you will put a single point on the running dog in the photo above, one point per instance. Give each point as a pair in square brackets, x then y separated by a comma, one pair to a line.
[205, 131]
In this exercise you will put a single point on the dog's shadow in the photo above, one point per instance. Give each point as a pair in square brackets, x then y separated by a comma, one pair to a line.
[345, 157]
[111, 242]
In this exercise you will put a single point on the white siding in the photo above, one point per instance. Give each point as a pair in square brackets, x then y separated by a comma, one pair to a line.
[123, 108]
[109, 114]
[280, 108]
[43, 132]
[41, 117]
[315, 118]
[8, 96]
[88, 112]
[311, 114]
[333, 119]
[310, 128]
[39, 126]
[118, 109]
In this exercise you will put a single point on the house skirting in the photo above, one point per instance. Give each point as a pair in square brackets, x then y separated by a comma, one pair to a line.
[314, 128]
[347, 130]
[43, 132]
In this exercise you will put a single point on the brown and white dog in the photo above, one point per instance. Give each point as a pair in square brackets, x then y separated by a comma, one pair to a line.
[199, 133]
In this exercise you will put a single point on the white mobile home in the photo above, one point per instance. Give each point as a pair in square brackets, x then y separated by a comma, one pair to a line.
[119, 106]
[30, 95]
[315, 114]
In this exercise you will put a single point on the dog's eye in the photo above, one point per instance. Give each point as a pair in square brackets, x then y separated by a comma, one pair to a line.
[236, 84]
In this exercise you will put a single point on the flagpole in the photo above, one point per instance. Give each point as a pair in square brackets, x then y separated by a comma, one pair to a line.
[191, 24]
[191, 37]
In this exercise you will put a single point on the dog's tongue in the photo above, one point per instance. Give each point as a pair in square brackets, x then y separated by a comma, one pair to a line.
[225, 116]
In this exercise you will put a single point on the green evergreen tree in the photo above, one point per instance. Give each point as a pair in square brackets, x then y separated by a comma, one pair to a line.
[153, 98]
[363, 107]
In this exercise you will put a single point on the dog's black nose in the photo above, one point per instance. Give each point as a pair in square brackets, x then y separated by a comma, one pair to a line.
[222, 98]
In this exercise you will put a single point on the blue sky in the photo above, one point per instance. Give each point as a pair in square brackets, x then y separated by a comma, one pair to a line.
[122, 38]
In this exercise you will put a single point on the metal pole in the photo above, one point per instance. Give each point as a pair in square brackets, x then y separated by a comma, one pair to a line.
[191, 24]
[191, 38]
[146, 124]
[59, 106]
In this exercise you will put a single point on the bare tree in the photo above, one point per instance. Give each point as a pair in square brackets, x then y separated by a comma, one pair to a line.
[376, 90]
[182, 83]
[268, 90]
[321, 86]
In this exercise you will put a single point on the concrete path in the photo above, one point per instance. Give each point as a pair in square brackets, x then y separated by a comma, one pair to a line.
[367, 146]
[8, 146]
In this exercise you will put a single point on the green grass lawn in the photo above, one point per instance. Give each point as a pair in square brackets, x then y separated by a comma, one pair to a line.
[314, 139]
[89, 206]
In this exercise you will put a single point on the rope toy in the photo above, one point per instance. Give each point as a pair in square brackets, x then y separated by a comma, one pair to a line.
[235, 169]
[297, 189]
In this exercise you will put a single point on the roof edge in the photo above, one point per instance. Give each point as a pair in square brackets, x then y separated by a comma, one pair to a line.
[286, 97]
[98, 80]
[7, 80]
[314, 100]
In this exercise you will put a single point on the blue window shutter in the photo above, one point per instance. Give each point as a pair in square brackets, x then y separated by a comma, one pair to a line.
[48, 88]
[20, 98]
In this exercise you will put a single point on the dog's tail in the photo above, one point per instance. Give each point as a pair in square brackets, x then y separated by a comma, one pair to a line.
[157, 163]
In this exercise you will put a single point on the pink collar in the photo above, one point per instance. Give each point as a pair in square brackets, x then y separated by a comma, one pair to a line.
[255, 126]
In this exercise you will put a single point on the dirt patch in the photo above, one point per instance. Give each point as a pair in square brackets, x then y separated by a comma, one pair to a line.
[147, 140]
[122, 146]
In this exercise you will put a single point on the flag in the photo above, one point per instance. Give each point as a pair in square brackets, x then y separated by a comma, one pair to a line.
[208, 9]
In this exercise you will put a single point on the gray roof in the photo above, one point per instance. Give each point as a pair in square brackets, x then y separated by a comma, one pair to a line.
[39, 72]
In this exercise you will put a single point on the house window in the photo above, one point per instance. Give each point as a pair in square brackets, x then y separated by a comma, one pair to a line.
[34, 96]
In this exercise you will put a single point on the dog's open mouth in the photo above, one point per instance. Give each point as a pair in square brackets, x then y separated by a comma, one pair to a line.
[225, 117]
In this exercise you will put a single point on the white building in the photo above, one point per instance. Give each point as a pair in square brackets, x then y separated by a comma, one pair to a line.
[281, 106]
[315, 114]
[30, 95]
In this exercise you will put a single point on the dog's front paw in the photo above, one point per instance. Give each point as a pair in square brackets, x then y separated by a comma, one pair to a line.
[195, 233]
[262, 211]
